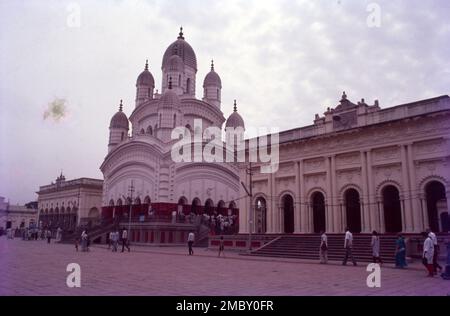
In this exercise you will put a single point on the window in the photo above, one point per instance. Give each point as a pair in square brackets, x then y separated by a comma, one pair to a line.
[149, 130]
[142, 131]
[174, 120]
[188, 85]
[123, 135]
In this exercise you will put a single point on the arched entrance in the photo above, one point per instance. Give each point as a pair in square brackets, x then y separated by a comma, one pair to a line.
[392, 209]
[209, 206]
[318, 211]
[353, 210]
[288, 214]
[260, 215]
[437, 206]
[195, 206]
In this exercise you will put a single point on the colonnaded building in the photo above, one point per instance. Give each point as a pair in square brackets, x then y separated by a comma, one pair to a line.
[357, 166]
[138, 169]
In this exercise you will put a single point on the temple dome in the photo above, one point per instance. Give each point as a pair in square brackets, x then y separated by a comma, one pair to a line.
[119, 120]
[182, 49]
[145, 78]
[235, 120]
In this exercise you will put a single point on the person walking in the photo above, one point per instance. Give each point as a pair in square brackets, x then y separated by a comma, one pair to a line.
[348, 245]
[221, 246]
[125, 240]
[323, 249]
[375, 243]
[436, 265]
[191, 238]
[400, 252]
[428, 254]
[48, 235]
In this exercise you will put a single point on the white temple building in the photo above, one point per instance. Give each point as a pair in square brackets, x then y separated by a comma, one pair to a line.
[138, 168]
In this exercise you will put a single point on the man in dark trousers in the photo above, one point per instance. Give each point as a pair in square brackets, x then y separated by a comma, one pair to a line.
[125, 240]
[348, 244]
[191, 238]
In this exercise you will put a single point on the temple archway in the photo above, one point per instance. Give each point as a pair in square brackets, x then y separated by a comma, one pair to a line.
[437, 207]
[353, 210]
[392, 209]
[318, 211]
[288, 213]
[260, 215]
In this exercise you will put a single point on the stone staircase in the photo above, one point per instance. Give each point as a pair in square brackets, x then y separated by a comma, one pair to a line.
[307, 247]
[94, 233]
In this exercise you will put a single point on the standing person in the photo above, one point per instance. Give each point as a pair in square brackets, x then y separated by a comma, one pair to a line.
[221, 246]
[323, 250]
[436, 265]
[400, 252]
[115, 240]
[125, 240]
[428, 254]
[375, 243]
[77, 242]
[58, 234]
[191, 238]
[110, 239]
[48, 235]
[84, 236]
[348, 245]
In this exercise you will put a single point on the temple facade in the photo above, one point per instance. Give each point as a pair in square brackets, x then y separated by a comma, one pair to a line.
[358, 166]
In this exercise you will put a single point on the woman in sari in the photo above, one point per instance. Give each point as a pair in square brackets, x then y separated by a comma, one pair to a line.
[400, 252]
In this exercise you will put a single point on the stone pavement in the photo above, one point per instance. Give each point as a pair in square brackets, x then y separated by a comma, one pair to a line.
[36, 268]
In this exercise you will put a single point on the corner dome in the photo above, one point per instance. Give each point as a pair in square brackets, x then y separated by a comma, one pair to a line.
[182, 49]
[212, 78]
[119, 120]
[145, 78]
[235, 120]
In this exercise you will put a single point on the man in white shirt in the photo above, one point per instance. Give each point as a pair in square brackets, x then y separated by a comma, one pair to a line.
[348, 244]
[323, 251]
[428, 254]
[433, 237]
[191, 238]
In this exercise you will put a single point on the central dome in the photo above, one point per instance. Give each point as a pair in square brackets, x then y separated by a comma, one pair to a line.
[180, 48]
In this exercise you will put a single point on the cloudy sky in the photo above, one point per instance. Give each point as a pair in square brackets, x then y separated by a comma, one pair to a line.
[283, 60]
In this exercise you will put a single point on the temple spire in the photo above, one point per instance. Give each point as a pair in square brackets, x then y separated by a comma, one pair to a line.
[180, 35]
[120, 106]
[146, 64]
[235, 106]
[212, 64]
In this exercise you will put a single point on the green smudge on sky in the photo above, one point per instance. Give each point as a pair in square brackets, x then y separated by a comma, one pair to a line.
[56, 110]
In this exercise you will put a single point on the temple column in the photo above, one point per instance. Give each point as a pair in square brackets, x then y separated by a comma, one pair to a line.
[329, 199]
[406, 205]
[297, 200]
[273, 204]
[372, 209]
[334, 207]
[414, 196]
[367, 223]
[305, 227]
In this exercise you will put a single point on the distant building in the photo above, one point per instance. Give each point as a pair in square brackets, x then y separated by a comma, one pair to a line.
[68, 204]
[16, 216]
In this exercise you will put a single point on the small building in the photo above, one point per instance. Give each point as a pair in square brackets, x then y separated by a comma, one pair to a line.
[16, 216]
[71, 203]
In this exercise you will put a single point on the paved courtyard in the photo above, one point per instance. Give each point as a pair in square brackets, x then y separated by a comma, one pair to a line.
[36, 268]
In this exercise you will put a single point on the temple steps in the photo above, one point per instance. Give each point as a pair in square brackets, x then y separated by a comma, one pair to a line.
[307, 247]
